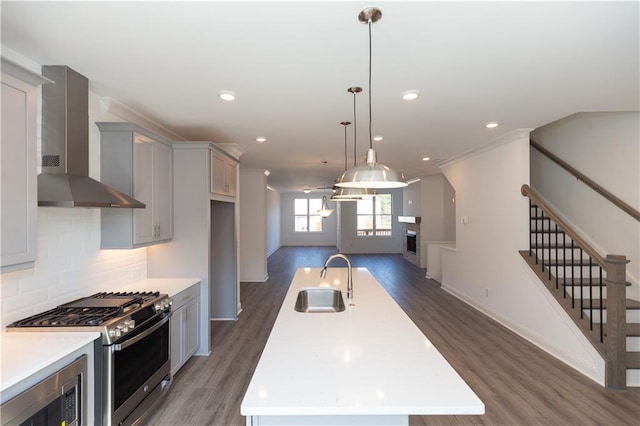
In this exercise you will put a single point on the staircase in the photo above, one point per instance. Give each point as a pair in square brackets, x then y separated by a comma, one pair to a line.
[592, 289]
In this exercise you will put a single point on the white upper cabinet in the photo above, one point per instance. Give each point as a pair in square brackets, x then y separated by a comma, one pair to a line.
[223, 175]
[18, 226]
[140, 164]
[151, 185]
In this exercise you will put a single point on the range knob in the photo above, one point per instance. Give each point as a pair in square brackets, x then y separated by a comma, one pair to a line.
[130, 323]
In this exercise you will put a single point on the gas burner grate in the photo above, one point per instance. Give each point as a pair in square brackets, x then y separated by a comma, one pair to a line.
[124, 294]
[69, 317]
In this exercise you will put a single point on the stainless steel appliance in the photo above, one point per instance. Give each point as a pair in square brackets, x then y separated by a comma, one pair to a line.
[60, 399]
[133, 370]
[65, 181]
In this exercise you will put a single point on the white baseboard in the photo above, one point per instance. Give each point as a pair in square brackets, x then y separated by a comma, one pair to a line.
[587, 367]
[254, 279]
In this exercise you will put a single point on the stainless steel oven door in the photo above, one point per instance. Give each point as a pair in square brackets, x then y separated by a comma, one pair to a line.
[137, 373]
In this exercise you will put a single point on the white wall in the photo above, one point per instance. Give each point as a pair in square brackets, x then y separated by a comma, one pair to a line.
[288, 236]
[253, 225]
[350, 243]
[437, 211]
[432, 194]
[449, 211]
[411, 200]
[486, 270]
[273, 220]
[606, 148]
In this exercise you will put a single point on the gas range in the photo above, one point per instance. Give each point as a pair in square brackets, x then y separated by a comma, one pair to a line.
[113, 314]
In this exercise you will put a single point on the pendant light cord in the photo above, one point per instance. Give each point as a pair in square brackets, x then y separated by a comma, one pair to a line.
[355, 129]
[370, 135]
[345, 147]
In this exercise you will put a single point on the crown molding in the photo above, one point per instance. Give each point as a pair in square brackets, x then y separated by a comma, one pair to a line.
[504, 139]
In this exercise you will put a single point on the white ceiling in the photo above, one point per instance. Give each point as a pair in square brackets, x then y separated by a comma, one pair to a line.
[524, 64]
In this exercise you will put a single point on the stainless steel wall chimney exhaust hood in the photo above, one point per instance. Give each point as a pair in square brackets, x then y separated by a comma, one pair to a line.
[65, 181]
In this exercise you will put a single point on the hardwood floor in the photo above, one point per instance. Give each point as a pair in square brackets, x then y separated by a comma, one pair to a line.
[518, 383]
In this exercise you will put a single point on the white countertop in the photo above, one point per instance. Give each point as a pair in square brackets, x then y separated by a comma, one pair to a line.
[170, 286]
[369, 359]
[24, 354]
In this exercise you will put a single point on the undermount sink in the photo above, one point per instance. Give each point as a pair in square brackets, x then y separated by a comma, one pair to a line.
[318, 300]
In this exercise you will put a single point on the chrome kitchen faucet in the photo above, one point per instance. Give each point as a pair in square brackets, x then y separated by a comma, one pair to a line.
[349, 275]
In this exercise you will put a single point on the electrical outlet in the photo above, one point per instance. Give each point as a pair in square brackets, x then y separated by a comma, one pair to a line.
[486, 292]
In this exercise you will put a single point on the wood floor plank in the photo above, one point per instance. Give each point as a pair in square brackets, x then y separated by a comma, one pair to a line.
[519, 383]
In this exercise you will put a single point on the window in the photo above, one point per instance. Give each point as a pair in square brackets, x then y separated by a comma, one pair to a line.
[306, 214]
[374, 216]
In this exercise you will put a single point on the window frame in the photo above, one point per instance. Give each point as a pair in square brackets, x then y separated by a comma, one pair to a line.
[375, 231]
[308, 215]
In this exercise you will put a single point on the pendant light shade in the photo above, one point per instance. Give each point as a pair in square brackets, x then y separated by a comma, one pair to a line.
[324, 211]
[371, 174]
[352, 194]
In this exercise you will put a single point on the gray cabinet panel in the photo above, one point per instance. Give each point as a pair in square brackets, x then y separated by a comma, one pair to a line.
[18, 228]
[138, 163]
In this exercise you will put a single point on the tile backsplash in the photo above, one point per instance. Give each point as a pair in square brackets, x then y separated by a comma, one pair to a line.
[70, 265]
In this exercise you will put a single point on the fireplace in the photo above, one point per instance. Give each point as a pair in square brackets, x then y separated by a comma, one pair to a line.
[411, 242]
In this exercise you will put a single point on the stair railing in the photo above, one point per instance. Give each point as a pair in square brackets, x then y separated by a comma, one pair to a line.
[590, 183]
[614, 266]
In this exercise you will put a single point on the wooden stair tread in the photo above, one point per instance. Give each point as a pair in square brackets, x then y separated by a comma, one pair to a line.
[546, 246]
[633, 329]
[633, 359]
[630, 304]
[575, 282]
[569, 262]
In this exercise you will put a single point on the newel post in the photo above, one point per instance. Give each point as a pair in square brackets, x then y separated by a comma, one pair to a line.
[615, 341]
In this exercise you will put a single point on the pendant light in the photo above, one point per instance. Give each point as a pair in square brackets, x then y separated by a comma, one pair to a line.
[324, 211]
[352, 194]
[371, 174]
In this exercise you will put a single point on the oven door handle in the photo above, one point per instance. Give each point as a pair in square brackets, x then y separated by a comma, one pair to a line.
[120, 346]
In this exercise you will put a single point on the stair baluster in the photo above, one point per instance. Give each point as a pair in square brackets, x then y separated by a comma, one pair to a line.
[612, 343]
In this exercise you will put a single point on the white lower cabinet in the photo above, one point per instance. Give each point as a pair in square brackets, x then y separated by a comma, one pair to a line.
[184, 326]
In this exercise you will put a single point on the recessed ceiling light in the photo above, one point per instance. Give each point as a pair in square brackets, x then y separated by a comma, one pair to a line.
[426, 158]
[261, 139]
[492, 125]
[306, 190]
[225, 95]
[410, 95]
[378, 138]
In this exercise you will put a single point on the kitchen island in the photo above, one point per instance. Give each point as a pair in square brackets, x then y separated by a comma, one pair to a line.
[367, 365]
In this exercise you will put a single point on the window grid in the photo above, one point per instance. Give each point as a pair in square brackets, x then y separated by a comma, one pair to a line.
[374, 217]
[306, 217]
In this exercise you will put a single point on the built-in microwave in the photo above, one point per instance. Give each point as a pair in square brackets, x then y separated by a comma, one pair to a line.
[57, 400]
